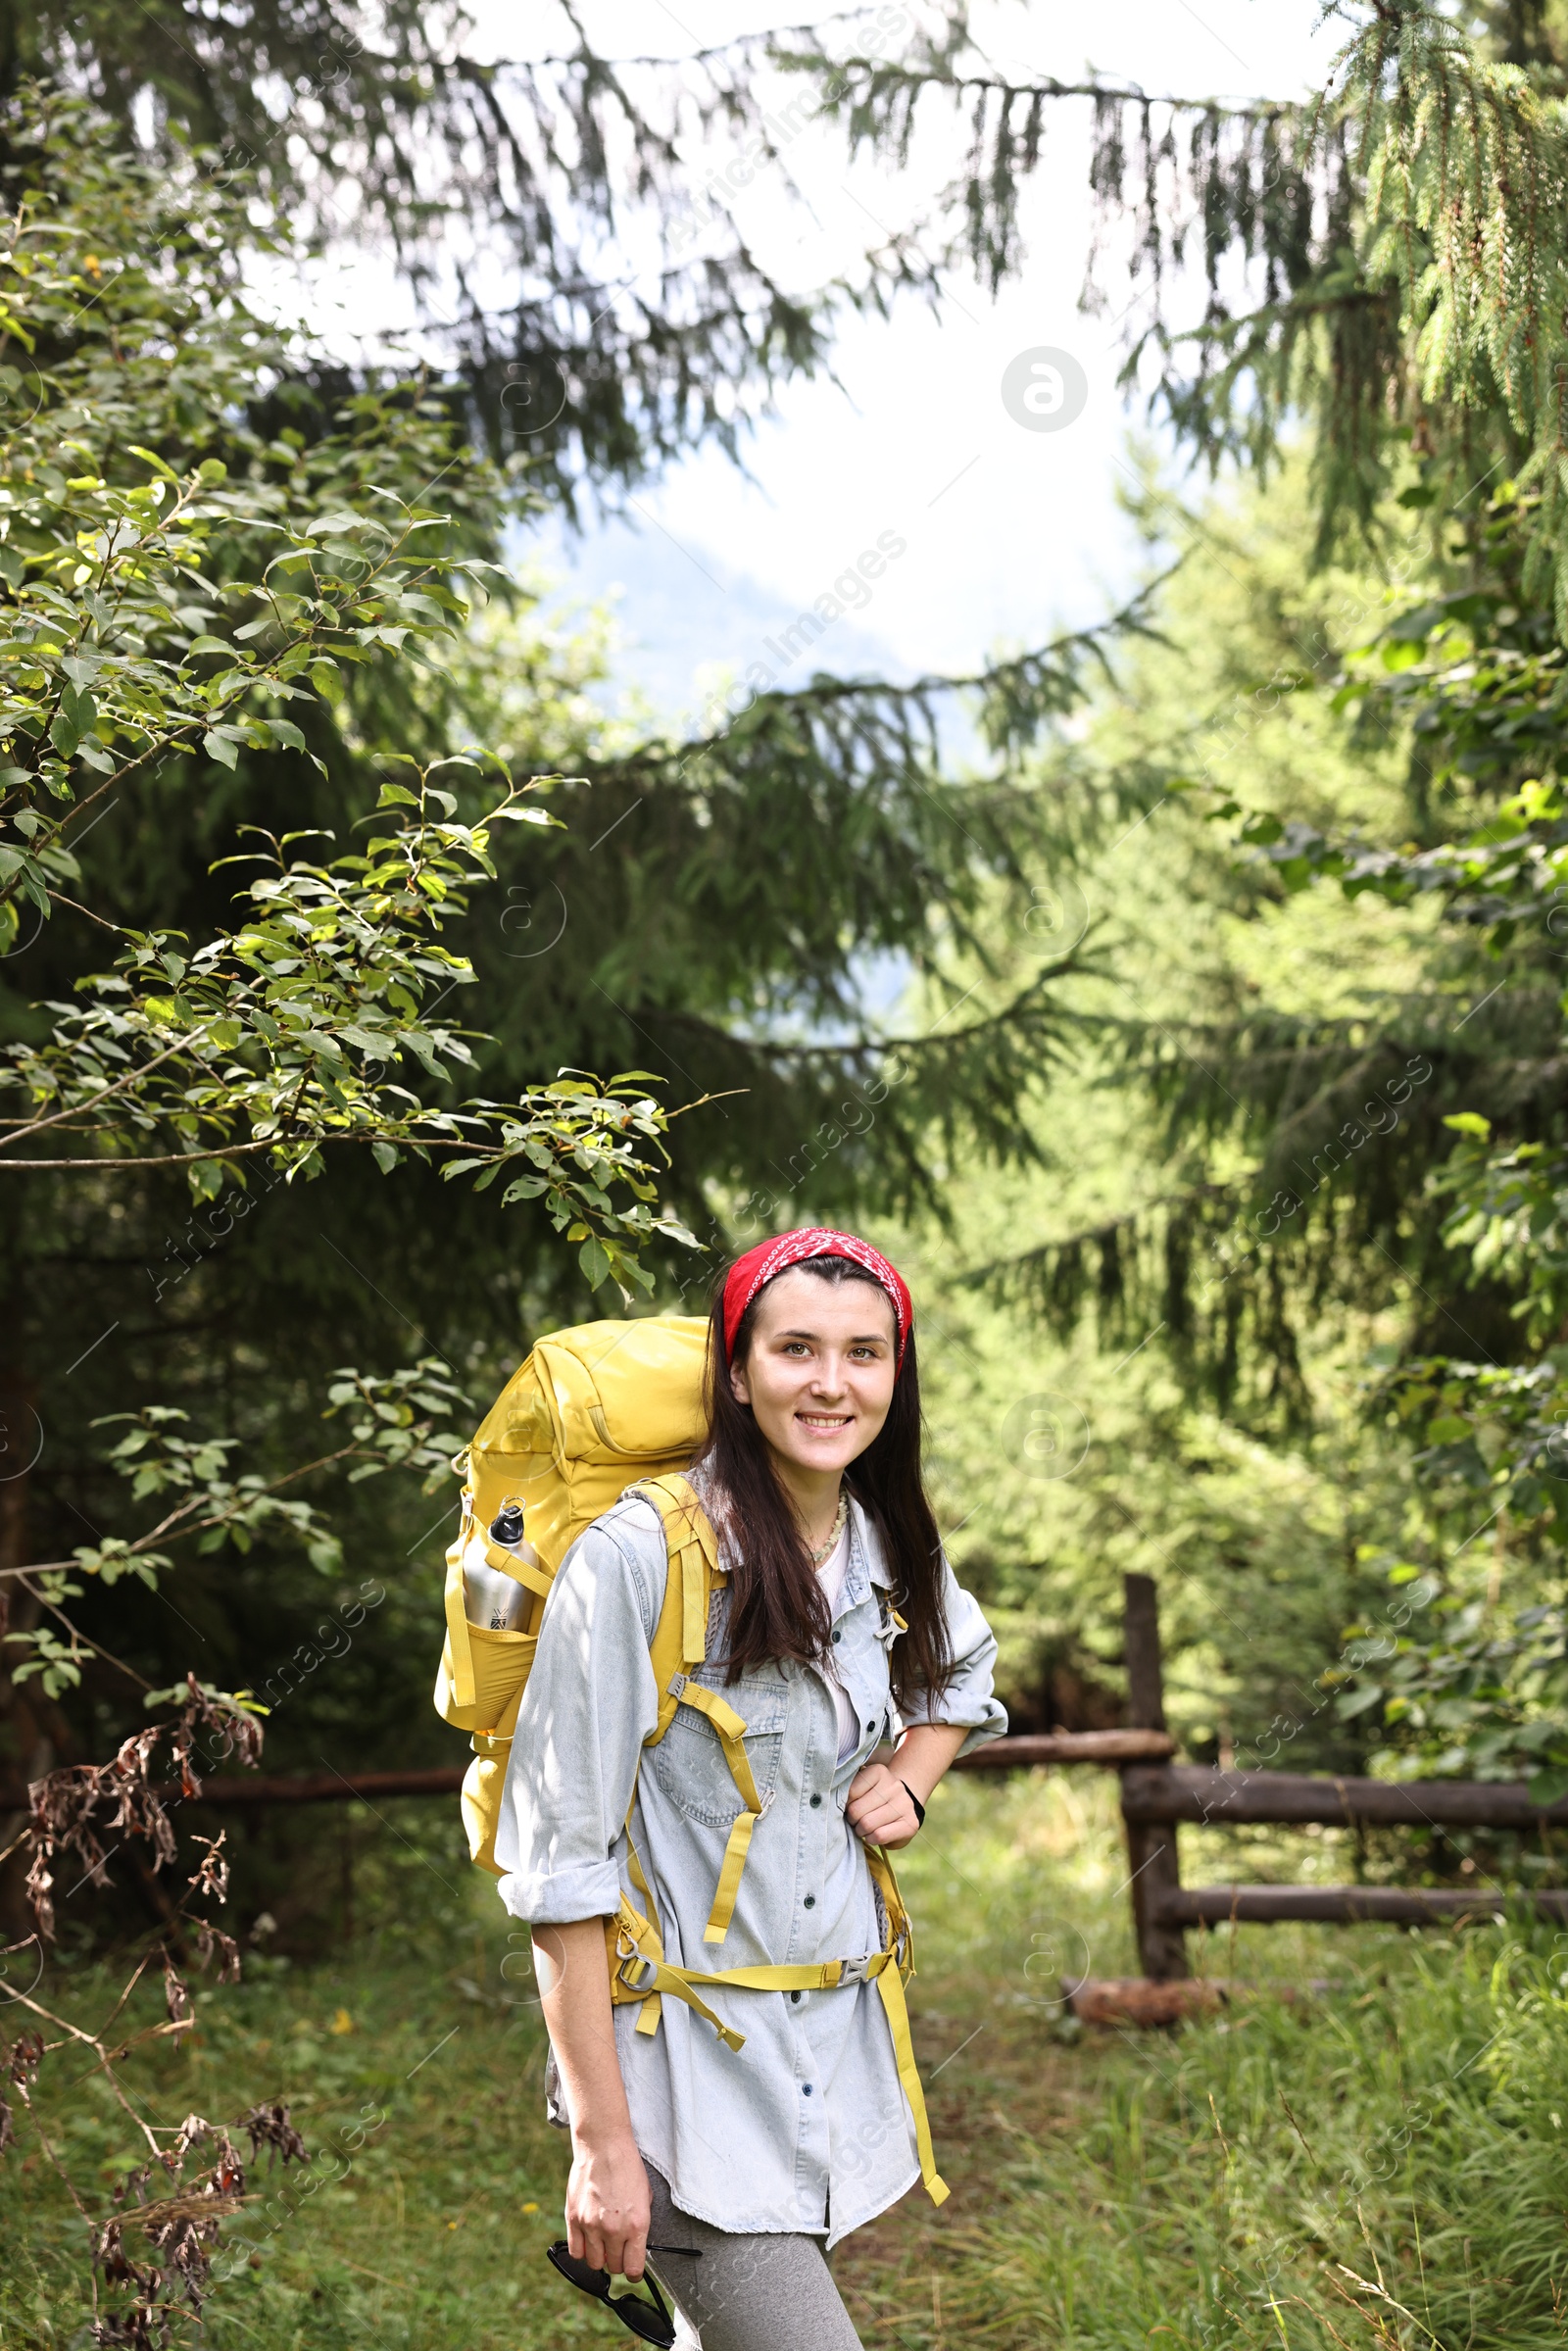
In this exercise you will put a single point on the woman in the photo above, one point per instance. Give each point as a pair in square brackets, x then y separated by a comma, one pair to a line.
[841, 1625]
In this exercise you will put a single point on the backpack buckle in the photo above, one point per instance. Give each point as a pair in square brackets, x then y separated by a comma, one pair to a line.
[676, 1687]
[854, 1971]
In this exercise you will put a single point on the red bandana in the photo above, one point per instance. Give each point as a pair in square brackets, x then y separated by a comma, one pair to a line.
[748, 1274]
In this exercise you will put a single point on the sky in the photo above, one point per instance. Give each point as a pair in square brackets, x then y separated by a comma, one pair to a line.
[1010, 530]
[997, 490]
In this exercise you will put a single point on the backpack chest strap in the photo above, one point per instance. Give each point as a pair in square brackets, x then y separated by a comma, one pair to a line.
[639, 1972]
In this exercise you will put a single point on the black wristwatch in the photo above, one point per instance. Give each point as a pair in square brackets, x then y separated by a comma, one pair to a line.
[919, 1808]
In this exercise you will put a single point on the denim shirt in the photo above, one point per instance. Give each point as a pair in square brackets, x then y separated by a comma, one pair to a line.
[806, 2128]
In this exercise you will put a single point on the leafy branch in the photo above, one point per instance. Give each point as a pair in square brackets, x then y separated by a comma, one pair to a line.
[278, 1040]
[401, 1423]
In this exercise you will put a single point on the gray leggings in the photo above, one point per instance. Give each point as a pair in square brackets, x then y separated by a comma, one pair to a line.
[748, 2293]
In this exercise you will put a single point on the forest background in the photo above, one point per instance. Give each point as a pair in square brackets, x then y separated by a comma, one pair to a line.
[1179, 1000]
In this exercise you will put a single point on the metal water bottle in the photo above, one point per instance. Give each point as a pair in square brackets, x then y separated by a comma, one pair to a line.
[491, 1598]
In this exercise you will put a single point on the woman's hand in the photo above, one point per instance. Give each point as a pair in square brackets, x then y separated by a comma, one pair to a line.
[607, 2205]
[881, 1805]
[880, 1809]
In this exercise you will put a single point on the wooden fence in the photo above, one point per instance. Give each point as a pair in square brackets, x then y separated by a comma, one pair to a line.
[1157, 1796]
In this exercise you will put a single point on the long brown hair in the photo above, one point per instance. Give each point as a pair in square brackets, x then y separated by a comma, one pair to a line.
[777, 1607]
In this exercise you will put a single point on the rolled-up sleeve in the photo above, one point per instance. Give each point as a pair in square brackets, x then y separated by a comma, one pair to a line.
[968, 1698]
[588, 1706]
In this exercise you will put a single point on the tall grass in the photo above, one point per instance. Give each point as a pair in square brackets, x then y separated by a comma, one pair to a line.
[1380, 2165]
[1388, 2168]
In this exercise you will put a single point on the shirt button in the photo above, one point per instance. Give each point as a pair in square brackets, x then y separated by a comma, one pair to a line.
[806, 2087]
[815, 1800]
[795, 1999]
[811, 1901]
[870, 1725]
[837, 1634]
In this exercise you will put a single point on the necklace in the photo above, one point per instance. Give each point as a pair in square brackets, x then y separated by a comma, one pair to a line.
[824, 1550]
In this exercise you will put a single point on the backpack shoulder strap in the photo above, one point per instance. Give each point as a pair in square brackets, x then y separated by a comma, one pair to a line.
[679, 1641]
[680, 1637]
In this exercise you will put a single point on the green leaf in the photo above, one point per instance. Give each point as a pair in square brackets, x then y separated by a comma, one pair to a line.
[150, 457]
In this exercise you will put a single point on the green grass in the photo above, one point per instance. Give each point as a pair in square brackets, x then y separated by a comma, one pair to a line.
[1249, 2181]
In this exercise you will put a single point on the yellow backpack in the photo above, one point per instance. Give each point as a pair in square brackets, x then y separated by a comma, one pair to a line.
[593, 1412]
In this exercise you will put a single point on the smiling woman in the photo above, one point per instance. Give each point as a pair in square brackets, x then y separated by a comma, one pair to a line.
[734, 2161]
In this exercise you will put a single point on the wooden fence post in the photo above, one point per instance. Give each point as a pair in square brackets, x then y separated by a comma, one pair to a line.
[1152, 1859]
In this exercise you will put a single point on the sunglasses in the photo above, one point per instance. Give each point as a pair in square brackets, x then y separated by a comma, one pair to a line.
[653, 2321]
